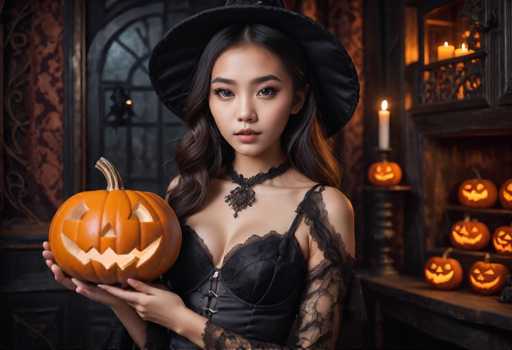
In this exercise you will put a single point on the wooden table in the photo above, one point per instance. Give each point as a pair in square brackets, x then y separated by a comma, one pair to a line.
[460, 318]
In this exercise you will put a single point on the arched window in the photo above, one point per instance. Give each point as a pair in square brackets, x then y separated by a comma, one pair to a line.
[141, 146]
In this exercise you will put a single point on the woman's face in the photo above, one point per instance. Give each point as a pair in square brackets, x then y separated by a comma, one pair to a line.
[251, 89]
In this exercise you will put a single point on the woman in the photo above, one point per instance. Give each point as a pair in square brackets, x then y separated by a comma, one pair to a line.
[267, 237]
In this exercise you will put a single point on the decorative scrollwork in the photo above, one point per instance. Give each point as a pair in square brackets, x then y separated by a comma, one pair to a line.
[15, 117]
[455, 80]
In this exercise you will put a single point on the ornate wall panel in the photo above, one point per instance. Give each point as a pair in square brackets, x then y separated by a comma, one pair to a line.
[32, 111]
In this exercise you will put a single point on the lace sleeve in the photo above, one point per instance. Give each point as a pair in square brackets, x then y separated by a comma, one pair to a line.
[319, 317]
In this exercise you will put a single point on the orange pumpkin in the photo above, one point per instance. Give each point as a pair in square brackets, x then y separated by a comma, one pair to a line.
[502, 239]
[487, 278]
[385, 173]
[107, 236]
[477, 193]
[506, 194]
[469, 234]
[442, 272]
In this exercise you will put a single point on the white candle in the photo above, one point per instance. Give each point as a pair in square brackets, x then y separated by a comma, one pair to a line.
[462, 51]
[445, 51]
[384, 125]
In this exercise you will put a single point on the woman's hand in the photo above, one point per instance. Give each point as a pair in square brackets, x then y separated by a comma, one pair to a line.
[88, 290]
[152, 303]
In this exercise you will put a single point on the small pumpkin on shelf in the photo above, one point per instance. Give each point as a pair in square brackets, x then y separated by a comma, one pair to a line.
[506, 194]
[442, 272]
[487, 278]
[502, 239]
[477, 192]
[108, 236]
[469, 234]
[385, 173]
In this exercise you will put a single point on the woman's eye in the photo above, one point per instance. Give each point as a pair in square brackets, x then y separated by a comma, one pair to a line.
[222, 92]
[268, 91]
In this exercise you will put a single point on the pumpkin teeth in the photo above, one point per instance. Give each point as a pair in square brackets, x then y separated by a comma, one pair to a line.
[475, 196]
[466, 240]
[486, 285]
[438, 278]
[109, 258]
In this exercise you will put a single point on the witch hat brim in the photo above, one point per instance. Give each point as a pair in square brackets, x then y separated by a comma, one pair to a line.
[335, 82]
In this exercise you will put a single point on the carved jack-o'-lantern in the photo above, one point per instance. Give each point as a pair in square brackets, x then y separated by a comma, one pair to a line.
[107, 236]
[469, 234]
[477, 193]
[442, 272]
[385, 173]
[502, 239]
[506, 194]
[487, 278]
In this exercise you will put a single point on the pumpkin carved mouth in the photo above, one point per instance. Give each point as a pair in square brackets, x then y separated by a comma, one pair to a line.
[484, 285]
[474, 195]
[384, 177]
[439, 277]
[109, 258]
[465, 239]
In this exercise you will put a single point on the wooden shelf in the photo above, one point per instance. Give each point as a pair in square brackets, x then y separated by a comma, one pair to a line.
[471, 255]
[459, 304]
[491, 211]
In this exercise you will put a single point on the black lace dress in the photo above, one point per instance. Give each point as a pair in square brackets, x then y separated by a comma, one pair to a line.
[264, 296]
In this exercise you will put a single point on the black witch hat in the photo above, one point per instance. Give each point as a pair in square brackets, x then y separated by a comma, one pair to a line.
[335, 83]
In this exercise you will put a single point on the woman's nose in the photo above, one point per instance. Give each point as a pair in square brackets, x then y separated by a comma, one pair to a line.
[246, 110]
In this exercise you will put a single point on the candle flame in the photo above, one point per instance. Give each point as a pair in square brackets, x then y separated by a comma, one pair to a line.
[129, 102]
[445, 43]
[463, 46]
[384, 105]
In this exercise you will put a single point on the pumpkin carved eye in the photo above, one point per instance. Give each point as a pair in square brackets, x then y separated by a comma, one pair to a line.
[433, 266]
[468, 187]
[479, 187]
[476, 271]
[447, 267]
[142, 213]
[489, 272]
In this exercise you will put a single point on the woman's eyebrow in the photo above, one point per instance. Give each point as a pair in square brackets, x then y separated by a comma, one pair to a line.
[254, 81]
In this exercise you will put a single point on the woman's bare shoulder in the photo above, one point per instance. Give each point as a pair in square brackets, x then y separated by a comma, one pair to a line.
[338, 215]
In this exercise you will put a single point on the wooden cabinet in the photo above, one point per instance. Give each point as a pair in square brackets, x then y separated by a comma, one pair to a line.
[451, 116]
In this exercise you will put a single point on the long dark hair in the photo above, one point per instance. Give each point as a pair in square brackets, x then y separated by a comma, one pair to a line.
[203, 153]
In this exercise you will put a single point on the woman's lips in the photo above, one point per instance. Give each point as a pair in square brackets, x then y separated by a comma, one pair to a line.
[247, 138]
[247, 135]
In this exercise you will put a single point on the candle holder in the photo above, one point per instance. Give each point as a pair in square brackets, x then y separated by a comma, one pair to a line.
[386, 206]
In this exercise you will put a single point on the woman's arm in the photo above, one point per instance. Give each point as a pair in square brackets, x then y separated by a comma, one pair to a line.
[331, 250]
[134, 325]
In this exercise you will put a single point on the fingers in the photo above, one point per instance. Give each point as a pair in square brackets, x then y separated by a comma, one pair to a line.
[141, 286]
[59, 275]
[127, 296]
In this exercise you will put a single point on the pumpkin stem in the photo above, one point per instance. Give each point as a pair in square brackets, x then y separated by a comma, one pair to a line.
[447, 252]
[487, 257]
[477, 173]
[114, 180]
[467, 217]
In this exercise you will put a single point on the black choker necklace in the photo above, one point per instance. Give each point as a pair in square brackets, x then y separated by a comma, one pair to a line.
[243, 195]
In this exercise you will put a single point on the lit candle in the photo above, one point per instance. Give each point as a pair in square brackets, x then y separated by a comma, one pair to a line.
[445, 51]
[384, 125]
[462, 51]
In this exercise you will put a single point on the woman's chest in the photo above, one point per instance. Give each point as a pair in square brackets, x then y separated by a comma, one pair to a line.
[262, 269]
[220, 233]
